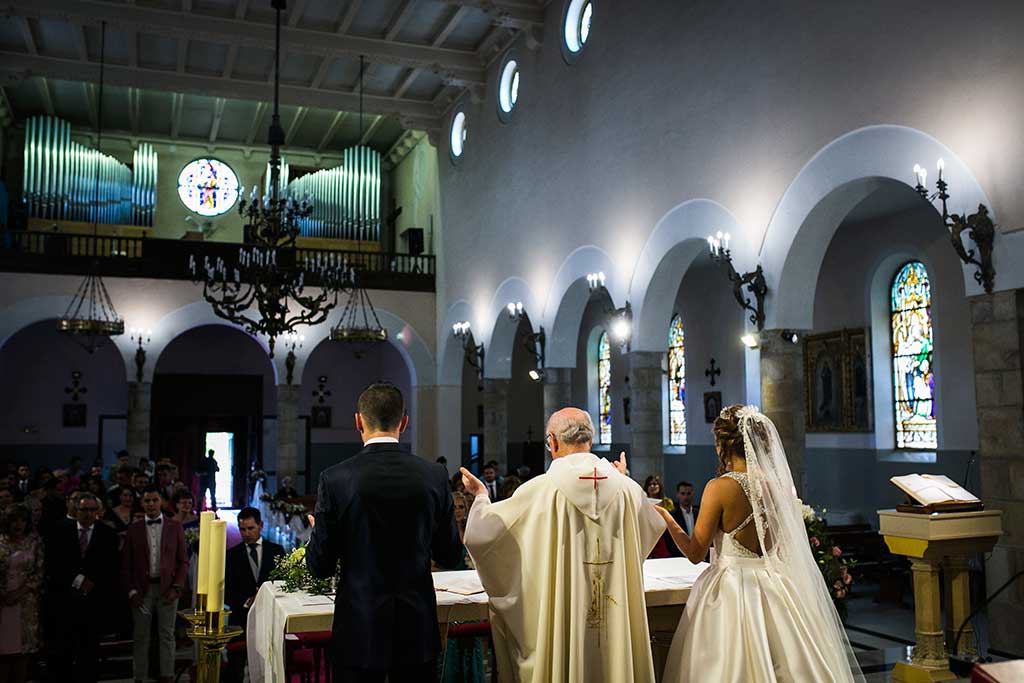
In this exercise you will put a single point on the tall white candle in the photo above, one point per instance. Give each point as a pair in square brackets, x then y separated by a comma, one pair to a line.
[218, 554]
[203, 574]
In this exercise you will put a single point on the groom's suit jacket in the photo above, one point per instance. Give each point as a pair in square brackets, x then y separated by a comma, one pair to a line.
[677, 514]
[385, 513]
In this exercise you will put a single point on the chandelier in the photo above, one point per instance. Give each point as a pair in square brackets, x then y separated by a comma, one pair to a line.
[90, 319]
[264, 289]
[359, 322]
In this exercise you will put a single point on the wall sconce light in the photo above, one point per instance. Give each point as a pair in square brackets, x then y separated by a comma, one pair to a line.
[595, 281]
[292, 341]
[791, 336]
[535, 344]
[474, 352]
[980, 227]
[515, 310]
[753, 281]
[142, 337]
[751, 341]
[621, 326]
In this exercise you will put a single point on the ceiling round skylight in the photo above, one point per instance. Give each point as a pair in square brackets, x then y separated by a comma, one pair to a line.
[508, 87]
[576, 25]
[457, 137]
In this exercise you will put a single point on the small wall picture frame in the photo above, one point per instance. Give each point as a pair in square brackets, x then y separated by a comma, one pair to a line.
[320, 417]
[712, 405]
[74, 415]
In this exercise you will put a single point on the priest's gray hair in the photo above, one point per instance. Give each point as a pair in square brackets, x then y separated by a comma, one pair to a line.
[572, 427]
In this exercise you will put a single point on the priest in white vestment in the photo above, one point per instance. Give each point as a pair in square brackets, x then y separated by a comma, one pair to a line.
[562, 563]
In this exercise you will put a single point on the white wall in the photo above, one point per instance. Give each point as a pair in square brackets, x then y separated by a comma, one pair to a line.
[671, 102]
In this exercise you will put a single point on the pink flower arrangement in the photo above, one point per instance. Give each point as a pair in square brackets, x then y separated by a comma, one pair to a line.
[836, 552]
[815, 542]
[835, 568]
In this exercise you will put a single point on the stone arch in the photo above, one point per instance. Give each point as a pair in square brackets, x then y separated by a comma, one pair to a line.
[836, 179]
[27, 312]
[177, 322]
[679, 237]
[401, 335]
[568, 297]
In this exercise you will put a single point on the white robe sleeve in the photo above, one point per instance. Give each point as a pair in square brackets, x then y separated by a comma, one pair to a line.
[652, 526]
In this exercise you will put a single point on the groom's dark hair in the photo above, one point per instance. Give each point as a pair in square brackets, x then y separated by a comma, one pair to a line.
[381, 406]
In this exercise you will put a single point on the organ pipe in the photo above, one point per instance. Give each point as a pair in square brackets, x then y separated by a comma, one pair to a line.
[60, 178]
[346, 199]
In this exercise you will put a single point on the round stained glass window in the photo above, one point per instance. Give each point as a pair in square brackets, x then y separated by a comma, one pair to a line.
[208, 186]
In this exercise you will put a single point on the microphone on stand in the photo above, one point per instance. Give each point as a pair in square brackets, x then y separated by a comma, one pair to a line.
[967, 471]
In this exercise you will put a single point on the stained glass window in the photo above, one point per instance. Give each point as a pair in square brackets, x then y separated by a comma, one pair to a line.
[676, 383]
[913, 370]
[604, 388]
[208, 186]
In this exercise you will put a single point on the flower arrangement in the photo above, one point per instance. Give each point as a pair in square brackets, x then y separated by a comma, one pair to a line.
[835, 569]
[192, 538]
[293, 571]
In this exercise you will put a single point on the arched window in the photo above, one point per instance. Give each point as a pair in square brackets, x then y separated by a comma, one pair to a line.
[604, 389]
[912, 363]
[676, 383]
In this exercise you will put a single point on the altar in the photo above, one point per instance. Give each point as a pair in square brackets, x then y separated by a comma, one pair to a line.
[460, 597]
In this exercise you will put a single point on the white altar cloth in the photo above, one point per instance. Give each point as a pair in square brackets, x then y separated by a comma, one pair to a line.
[460, 597]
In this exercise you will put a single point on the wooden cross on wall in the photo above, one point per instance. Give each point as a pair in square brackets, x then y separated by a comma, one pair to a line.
[712, 372]
[321, 393]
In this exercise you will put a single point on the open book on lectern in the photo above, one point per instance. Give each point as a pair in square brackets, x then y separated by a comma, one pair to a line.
[934, 490]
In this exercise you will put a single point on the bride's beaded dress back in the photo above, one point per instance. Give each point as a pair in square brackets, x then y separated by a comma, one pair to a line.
[730, 546]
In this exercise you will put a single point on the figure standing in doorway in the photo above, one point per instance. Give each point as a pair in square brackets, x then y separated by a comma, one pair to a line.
[208, 469]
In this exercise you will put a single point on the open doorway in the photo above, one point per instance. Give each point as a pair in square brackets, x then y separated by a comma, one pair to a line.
[223, 446]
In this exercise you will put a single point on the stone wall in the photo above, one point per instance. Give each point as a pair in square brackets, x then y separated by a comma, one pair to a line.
[998, 340]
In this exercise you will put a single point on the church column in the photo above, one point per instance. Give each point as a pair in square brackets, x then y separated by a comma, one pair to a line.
[557, 395]
[998, 335]
[140, 395]
[647, 439]
[288, 434]
[496, 422]
[425, 421]
[782, 397]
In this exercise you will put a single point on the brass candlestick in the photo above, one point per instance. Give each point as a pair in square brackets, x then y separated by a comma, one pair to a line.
[211, 638]
[197, 615]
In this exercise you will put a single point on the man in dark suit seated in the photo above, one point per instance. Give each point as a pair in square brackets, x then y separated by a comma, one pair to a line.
[384, 513]
[685, 512]
[248, 565]
[81, 574]
[155, 567]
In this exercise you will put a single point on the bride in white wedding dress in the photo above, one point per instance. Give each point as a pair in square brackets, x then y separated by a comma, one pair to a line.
[761, 612]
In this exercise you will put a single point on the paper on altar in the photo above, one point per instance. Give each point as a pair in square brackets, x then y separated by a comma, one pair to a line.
[461, 582]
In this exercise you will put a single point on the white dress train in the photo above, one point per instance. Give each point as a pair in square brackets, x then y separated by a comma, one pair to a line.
[746, 622]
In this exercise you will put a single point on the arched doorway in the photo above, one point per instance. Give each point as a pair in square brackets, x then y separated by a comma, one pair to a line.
[213, 386]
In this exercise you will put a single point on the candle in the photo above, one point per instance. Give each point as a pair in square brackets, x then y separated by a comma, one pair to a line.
[202, 580]
[215, 578]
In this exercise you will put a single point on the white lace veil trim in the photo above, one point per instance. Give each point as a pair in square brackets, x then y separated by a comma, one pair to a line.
[778, 517]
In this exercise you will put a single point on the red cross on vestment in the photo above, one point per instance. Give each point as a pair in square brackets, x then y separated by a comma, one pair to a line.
[595, 478]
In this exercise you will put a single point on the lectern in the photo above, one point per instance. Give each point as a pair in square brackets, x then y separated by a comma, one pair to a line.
[931, 541]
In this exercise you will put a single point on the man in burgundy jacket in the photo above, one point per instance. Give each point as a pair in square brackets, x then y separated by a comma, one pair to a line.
[155, 567]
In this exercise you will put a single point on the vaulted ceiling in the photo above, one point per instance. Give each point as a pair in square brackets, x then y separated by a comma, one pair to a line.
[202, 70]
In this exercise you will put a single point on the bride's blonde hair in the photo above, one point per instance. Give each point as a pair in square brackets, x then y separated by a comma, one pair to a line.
[728, 437]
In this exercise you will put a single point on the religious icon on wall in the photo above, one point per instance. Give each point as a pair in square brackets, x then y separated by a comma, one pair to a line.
[712, 405]
[74, 415]
[320, 417]
[837, 382]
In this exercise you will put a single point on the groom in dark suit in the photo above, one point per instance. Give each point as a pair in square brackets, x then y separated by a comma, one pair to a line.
[247, 566]
[384, 513]
[685, 513]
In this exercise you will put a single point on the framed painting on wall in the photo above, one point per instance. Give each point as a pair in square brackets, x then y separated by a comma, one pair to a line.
[320, 417]
[837, 382]
[712, 405]
[73, 416]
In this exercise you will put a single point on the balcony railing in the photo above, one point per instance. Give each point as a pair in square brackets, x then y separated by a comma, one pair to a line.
[147, 257]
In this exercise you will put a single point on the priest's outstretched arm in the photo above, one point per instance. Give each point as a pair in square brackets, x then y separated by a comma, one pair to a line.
[483, 527]
[322, 552]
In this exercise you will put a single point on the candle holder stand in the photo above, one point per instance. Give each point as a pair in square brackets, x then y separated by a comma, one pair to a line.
[211, 637]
